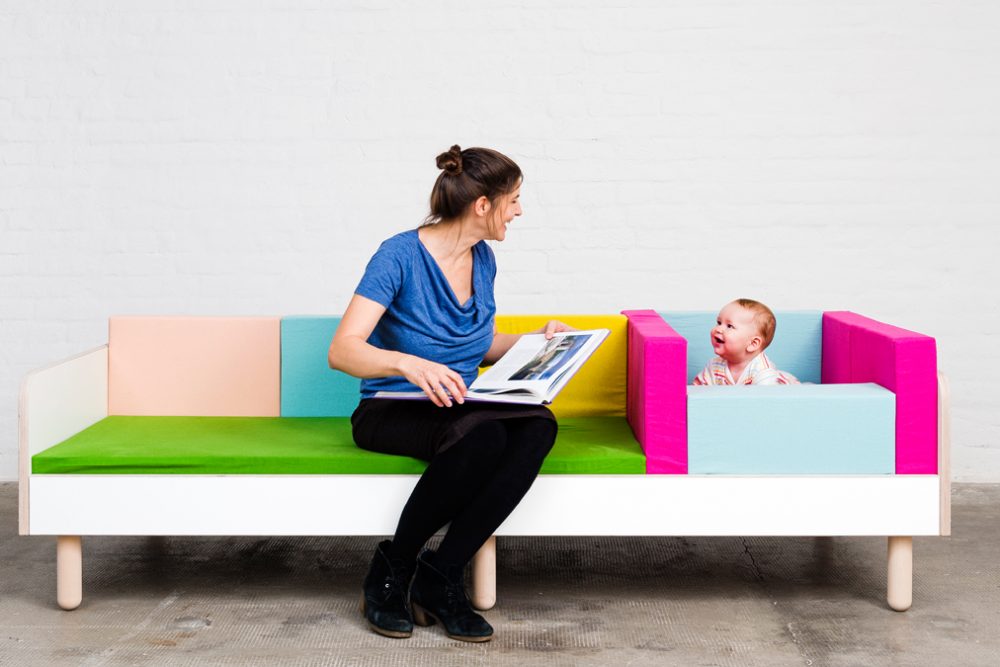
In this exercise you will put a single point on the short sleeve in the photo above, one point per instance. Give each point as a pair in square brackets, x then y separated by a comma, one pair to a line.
[384, 274]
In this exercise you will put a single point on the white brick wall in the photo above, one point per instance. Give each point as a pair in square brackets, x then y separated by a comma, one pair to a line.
[235, 157]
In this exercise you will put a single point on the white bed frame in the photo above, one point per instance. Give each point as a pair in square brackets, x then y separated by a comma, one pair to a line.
[61, 400]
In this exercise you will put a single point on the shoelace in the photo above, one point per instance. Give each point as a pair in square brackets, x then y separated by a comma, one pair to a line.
[394, 583]
[455, 596]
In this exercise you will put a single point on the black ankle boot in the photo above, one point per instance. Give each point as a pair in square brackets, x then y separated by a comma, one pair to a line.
[384, 601]
[438, 595]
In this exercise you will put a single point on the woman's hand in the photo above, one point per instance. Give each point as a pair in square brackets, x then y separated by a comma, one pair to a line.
[553, 327]
[440, 383]
[503, 342]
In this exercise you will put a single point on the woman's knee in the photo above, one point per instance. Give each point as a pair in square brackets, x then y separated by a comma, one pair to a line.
[485, 443]
[535, 434]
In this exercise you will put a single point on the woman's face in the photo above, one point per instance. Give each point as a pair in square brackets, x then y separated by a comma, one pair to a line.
[508, 207]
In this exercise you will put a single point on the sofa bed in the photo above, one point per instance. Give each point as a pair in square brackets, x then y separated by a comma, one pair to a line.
[237, 426]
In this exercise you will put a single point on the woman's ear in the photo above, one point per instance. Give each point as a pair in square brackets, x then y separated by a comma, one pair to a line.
[482, 206]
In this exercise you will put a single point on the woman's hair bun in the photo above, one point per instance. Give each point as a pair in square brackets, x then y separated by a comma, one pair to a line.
[451, 161]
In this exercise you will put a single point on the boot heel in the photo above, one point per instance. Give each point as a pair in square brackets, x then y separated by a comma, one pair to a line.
[421, 617]
[438, 596]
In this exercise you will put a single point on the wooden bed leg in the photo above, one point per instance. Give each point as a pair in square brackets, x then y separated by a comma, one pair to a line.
[484, 575]
[69, 571]
[900, 573]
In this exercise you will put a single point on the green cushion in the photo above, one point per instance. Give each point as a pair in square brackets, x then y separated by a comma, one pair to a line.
[296, 445]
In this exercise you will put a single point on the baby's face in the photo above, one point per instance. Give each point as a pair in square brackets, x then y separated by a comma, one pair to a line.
[734, 333]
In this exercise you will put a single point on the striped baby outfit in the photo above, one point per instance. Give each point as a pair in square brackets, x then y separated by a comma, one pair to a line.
[760, 371]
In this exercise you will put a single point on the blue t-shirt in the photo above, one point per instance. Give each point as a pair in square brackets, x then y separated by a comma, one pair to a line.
[423, 316]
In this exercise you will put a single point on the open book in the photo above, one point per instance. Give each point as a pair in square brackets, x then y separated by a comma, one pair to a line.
[534, 370]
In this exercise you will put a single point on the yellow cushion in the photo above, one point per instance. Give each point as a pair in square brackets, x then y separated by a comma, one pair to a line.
[598, 389]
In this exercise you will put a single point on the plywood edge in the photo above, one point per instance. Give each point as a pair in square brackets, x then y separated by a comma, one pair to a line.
[23, 457]
[24, 431]
[944, 450]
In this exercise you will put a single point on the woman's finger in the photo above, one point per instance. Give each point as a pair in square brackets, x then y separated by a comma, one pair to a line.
[431, 394]
[453, 389]
[562, 326]
[442, 392]
[550, 328]
[460, 382]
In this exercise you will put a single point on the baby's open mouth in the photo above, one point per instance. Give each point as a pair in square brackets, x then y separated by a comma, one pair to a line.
[718, 339]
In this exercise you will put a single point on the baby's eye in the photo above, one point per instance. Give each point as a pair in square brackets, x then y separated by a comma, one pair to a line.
[730, 326]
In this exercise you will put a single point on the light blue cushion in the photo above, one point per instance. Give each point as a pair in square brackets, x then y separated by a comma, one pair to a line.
[794, 430]
[797, 346]
[309, 388]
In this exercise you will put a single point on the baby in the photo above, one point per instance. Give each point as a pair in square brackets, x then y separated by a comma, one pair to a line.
[743, 329]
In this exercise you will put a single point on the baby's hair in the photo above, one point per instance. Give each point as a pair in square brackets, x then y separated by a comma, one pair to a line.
[762, 317]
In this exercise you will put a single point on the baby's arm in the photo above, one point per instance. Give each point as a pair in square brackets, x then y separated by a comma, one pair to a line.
[767, 376]
[772, 376]
[704, 377]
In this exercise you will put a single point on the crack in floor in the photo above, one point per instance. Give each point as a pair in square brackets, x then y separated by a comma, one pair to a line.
[753, 561]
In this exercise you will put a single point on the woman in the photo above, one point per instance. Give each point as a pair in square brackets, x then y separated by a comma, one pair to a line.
[422, 317]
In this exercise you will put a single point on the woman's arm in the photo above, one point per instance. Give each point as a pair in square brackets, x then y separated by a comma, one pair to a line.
[351, 353]
[503, 342]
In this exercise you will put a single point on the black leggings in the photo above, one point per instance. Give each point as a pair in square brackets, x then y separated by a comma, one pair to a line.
[474, 483]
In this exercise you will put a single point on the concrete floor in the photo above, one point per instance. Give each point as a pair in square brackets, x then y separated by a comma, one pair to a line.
[579, 601]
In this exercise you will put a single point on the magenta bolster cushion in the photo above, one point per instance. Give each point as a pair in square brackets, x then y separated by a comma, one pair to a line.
[836, 354]
[657, 393]
[860, 349]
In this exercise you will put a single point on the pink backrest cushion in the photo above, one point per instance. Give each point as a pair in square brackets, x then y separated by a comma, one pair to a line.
[196, 366]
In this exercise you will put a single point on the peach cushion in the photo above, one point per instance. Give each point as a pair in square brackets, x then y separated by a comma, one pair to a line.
[194, 366]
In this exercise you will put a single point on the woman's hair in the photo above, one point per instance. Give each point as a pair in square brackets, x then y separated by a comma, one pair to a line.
[468, 175]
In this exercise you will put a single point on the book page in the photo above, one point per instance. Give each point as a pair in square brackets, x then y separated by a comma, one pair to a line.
[536, 363]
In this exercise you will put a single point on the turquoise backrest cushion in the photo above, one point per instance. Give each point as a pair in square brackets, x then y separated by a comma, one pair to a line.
[804, 429]
[797, 346]
[309, 388]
